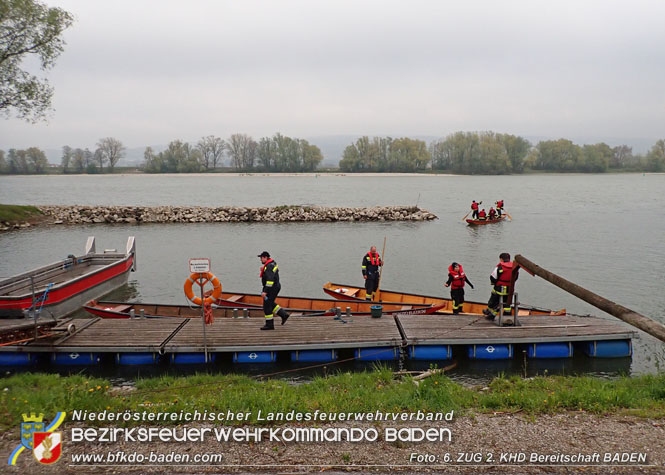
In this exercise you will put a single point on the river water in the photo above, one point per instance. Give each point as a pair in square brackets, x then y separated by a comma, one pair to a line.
[603, 232]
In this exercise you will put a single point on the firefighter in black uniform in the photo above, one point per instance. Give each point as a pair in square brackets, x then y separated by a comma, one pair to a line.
[501, 279]
[370, 267]
[271, 287]
[456, 280]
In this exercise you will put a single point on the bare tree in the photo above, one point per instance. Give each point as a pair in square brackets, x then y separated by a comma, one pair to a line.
[212, 150]
[110, 151]
[242, 150]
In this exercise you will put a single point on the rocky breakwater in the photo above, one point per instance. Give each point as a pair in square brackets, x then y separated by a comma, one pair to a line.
[228, 214]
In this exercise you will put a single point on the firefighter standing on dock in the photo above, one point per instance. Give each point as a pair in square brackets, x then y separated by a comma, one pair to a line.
[456, 280]
[502, 280]
[370, 267]
[271, 287]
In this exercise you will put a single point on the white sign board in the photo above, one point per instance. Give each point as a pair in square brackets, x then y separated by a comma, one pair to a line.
[199, 264]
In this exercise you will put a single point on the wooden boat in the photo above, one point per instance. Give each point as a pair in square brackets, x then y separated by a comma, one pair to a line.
[63, 287]
[474, 222]
[301, 304]
[125, 310]
[349, 293]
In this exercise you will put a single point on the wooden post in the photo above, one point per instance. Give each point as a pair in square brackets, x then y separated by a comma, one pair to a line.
[627, 315]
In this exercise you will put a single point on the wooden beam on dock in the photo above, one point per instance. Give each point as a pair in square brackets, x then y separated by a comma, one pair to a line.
[629, 316]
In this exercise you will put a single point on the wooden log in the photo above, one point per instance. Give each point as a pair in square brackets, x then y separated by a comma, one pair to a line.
[629, 316]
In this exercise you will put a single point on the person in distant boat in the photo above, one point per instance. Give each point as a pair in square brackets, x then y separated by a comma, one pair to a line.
[456, 280]
[474, 208]
[501, 279]
[499, 207]
[482, 215]
[492, 213]
[271, 287]
[370, 267]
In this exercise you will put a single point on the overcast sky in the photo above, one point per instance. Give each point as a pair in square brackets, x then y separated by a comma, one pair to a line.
[148, 72]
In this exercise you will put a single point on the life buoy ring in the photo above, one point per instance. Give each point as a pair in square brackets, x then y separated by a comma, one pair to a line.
[195, 278]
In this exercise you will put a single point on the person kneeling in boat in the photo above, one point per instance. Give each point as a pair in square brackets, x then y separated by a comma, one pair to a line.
[271, 287]
[492, 214]
[370, 268]
[501, 279]
[456, 280]
[482, 215]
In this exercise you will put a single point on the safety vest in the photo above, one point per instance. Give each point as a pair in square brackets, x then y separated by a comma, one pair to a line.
[263, 269]
[458, 278]
[505, 274]
[374, 259]
[474, 206]
[492, 212]
[499, 204]
[482, 215]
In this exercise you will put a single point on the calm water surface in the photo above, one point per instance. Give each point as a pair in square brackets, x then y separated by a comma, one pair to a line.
[604, 232]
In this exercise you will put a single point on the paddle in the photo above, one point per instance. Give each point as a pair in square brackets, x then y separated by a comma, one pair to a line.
[378, 286]
[509, 216]
[467, 214]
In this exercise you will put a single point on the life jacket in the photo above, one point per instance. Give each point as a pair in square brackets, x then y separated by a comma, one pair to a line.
[474, 206]
[505, 277]
[492, 212]
[263, 269]
[374, 259]
[499, 204]
[482, 215]
[458, 277]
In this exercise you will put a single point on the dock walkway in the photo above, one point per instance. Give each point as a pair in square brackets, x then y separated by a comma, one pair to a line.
[321, 338]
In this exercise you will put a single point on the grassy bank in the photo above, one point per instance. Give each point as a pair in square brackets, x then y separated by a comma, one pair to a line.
[642, 396]
[16, 213]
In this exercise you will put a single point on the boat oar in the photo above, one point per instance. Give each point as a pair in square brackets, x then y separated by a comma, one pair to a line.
[509, 216]
[467, 214]
[378, 285]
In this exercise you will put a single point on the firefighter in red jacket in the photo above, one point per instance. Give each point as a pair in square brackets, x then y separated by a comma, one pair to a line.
[474, 208]
[482, 215]
[456, 280]
[501, 279]
[499, 207]
[370, 268]
[271, 287]
[492, 214]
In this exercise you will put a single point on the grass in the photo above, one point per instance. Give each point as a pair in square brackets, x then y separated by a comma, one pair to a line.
[16, 213]
[378, 390]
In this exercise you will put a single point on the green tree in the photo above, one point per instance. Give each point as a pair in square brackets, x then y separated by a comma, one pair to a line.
[28, 29]
[3, 162]
[656, 157]
[559, 155]
[517, 149]
[36, 160]
[622, 156]
[67, 154]
[242, 151]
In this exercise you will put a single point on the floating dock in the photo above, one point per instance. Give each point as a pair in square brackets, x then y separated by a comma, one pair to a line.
[177, 340]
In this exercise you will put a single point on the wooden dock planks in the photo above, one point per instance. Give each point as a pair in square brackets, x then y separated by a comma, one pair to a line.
[299, 333]
[470, 329]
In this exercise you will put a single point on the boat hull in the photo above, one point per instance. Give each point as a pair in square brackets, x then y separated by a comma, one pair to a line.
[350, 293]
[67, 285]
[122, 310]
[479, 222]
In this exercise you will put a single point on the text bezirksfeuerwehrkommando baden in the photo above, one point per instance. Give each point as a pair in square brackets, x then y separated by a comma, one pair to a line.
[231, 416]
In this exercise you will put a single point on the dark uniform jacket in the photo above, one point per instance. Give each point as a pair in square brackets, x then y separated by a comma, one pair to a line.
[270, 277]
[370, 269]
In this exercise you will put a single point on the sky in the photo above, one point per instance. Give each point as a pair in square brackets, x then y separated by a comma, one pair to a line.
[148, 72]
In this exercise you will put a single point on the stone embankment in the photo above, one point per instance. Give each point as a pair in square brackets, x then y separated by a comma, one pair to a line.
[198, 214]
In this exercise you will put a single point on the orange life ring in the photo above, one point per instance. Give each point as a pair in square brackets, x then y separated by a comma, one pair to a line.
[208, 277]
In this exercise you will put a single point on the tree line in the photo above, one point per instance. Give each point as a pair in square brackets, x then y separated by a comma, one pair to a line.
[461, 152]
[492, 153]
[271, 154]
